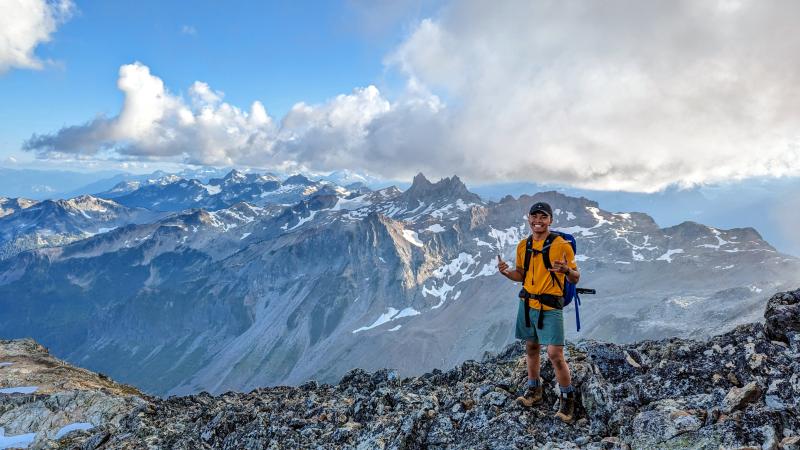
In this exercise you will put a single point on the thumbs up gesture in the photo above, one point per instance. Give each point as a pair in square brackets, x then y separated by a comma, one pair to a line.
[502, 266]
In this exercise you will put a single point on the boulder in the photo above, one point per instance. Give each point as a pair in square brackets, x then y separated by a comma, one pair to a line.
[783, 316]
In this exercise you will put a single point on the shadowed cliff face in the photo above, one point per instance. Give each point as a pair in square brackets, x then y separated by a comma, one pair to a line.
[737, 389]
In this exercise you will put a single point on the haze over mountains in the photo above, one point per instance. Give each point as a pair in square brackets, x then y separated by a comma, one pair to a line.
[768, 203]
[181, 285]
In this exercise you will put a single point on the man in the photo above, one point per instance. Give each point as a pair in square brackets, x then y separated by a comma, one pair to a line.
[542, 322]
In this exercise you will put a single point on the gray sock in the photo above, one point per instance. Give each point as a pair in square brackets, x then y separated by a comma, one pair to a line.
[566, 390]
[532, 384]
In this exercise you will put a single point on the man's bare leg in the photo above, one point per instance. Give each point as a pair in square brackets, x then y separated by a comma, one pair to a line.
[533, 388]
[556, 355]
[532, 359]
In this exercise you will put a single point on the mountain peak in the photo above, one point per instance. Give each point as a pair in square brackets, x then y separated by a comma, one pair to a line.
[235, 176]
[420, 180]
[447, 188]
[298, 179]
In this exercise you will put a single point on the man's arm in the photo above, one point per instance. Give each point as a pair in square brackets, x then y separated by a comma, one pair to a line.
[513, 275]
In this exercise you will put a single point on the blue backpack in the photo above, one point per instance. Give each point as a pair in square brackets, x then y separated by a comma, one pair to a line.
[569, 289]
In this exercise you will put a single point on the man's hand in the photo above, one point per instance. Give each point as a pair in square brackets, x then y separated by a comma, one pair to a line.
[502, 266]
[560, 265]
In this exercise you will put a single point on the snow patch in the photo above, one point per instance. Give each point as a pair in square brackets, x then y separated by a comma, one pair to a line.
[485, 244]
[509, 236]
[18, 441]
[407, 312]
[596, 214]
[211, 189]
[461, 265]
[668, 255]
[583, 231]
[20, 390]
[412, 237]
[440, 292]
[559, 212]
[244, 236]
[72, 427]
[385, 317]
[395, 328]
[351, 204]
[304, 220]
[440, 213]
[435, 228]
[720, 241]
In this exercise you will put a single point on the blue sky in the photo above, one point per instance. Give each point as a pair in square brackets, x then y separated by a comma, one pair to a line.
[279, 53]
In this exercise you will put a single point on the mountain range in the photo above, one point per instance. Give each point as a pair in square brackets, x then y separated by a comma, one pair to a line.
[250, 280]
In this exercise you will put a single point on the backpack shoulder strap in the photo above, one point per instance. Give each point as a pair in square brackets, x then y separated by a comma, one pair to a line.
[527, 263]
[548, 241]
[546, 257]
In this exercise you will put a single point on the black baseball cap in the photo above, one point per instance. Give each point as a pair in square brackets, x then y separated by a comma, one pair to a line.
[541, 207]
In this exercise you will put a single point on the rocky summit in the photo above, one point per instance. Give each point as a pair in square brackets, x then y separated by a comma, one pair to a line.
[740, 389]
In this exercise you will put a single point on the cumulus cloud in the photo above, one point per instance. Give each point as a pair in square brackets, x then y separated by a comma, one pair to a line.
[24, 24]
[613, 95]
[155, 124]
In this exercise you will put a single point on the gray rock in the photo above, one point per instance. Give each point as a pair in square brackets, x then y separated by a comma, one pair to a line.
[783, 315]
[671, 400]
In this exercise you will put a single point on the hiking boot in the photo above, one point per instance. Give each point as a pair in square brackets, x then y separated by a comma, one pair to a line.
[532, 396]
[566, 407]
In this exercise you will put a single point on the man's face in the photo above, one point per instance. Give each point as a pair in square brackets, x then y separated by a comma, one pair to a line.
[539, 222]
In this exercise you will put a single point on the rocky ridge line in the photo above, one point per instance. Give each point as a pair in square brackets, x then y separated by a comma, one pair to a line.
[740, 389]
[41, 394]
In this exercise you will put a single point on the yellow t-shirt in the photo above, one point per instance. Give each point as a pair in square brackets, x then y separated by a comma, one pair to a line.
[538, 280]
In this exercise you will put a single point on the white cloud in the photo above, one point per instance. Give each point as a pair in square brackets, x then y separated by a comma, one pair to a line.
[155, 124]
[615, 95]
[188, 29]
[618, 94]
[24, 24]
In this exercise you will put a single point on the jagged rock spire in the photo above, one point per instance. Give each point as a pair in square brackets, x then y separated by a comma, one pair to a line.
[451, 188]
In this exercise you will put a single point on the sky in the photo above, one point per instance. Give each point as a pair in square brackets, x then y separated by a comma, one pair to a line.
[616, 95]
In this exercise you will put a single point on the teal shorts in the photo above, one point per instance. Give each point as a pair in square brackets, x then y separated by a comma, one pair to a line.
[552, 332]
